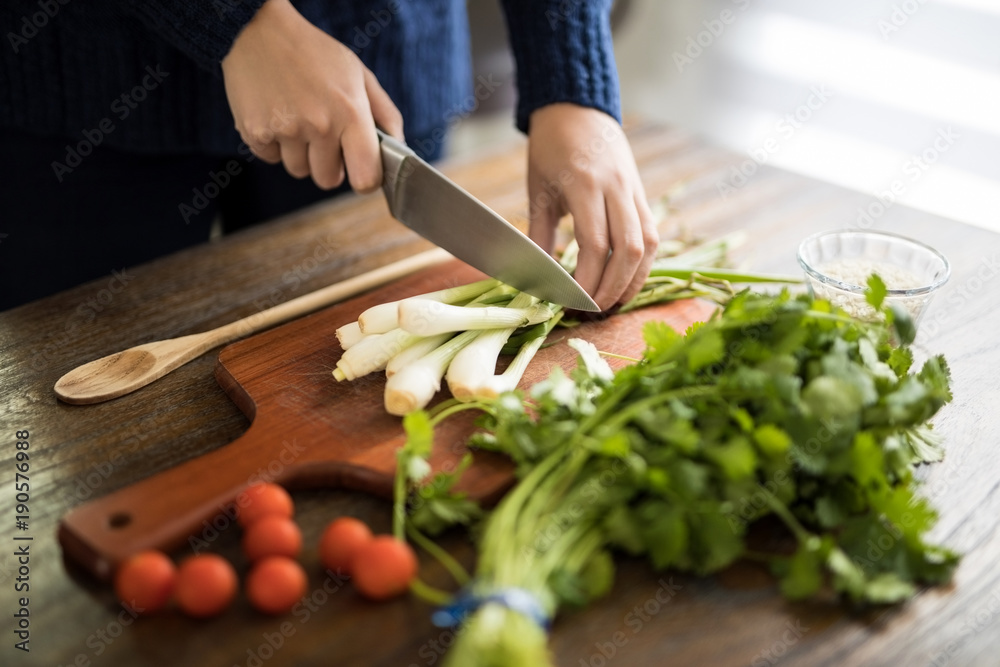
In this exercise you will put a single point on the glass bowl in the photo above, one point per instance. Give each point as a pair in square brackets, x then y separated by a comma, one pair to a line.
[838, 263]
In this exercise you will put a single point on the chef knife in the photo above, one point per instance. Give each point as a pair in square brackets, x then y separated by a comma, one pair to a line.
[431, 204]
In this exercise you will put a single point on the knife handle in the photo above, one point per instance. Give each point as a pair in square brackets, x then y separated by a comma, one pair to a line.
[394, 156]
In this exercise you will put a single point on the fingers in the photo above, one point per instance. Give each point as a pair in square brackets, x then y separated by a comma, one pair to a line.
[326, 164]
[542, 228]
[618, 241]
[269, 152]
[543, 216]
[617, 235]
[626, 249]
[318, 121]
[323, 149]
[650, 239]
[362, 155]
[324, 155]
[260, 140]
[295, 156]
[586, 153]
[591, 228]
[385, 113]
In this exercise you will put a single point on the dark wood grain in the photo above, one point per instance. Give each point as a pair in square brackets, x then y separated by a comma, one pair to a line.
[79, 453]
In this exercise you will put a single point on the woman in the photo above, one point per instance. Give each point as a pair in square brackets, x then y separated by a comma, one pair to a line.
[129, 126]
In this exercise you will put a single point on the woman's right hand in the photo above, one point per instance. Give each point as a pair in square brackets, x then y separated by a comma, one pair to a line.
[302, 98]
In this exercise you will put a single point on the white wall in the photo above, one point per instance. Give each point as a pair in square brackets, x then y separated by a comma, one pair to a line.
[898, 76]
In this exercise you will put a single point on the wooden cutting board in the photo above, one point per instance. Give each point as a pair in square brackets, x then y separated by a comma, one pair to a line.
[308, 430]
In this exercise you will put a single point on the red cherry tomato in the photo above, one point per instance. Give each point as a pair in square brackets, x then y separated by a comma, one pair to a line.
[383, 567]
[275, 585]
[272, 535]
[206, 584]
[146, 581]
[340, 541]
[263, 499]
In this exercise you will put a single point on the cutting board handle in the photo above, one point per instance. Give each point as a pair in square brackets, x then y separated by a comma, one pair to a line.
[194, 501]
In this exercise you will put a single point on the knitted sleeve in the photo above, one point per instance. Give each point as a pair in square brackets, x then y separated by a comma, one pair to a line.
[202, 30]
[563, 53]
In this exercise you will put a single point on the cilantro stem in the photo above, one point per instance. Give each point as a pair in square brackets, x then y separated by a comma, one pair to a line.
[454, 568]
[785, 514]
[507, 514]
[440, 412]
[623, 417]
[399, 495]
[576, 548]
[612, 355]
[715, 273]
[562, 550]
[429, 594]
[439, 416]
[672, 292]
[536, 515]
[530, 488]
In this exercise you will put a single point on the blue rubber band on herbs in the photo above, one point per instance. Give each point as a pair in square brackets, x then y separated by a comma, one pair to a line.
[516, 599]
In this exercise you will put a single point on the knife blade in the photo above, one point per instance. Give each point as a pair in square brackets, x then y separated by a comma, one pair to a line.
[431, 204]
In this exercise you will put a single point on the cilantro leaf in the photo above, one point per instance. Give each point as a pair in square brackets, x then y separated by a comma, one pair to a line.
[705, 347]
[804, 575]
[875, 294]
[771, 440]
[419, 433]
[902, 323]
[779, 405]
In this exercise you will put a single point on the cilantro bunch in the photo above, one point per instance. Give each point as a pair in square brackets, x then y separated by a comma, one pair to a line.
[778, 406]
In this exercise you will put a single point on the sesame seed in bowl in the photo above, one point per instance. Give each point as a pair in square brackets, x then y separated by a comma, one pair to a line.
[838, 264]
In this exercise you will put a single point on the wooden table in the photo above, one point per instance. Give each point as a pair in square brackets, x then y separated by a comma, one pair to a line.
[735, 618]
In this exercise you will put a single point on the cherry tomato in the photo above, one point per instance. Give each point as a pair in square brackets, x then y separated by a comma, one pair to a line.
[383, 567]
[340, 541]
[262, 499]
[206, 584]
[272, 535]
[275, 585]
[146, 581]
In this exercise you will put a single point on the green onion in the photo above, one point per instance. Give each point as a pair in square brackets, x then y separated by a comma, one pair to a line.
[713, 273]
[509, 379]
[384, 316]
[475, 364]
[349, 335]
[408, 355]
[412, 387]
[372, 353]
[420, 331]
[426, 318]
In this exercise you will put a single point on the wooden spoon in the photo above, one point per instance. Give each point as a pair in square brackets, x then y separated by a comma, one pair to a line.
[123, 372]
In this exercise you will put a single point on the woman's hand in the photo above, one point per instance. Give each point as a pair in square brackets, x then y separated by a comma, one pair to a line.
[302, 98]
[580, 162]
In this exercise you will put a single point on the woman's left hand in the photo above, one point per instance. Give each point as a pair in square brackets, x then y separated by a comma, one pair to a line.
[580, 162]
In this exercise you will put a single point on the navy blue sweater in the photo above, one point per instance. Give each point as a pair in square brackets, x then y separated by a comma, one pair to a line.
[150, 68]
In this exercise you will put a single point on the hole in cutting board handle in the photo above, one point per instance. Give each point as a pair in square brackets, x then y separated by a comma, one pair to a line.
[119, 520]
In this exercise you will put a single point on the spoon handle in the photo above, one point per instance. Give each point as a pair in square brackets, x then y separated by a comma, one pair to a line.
[327, 295]
[123, 372]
